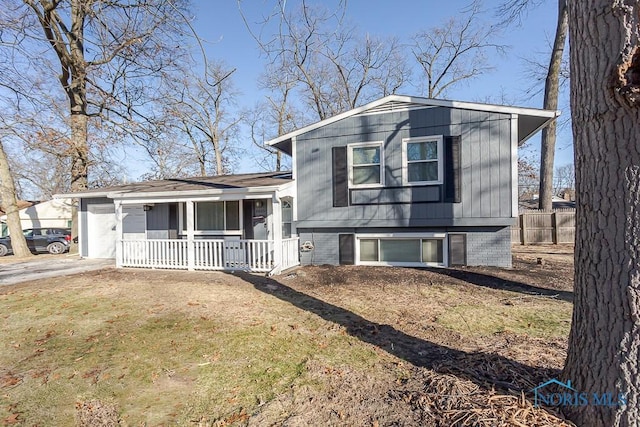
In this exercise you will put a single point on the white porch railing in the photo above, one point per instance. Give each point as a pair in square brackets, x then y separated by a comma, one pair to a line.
[249, 255]
[154, 253]
[290, 253]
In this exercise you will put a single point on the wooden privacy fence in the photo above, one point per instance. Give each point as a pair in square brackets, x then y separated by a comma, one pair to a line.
[537, 226]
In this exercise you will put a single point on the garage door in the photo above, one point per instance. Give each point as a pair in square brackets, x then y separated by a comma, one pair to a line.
[101, 236]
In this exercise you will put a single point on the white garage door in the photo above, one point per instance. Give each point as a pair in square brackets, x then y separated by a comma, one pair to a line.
[101, 226]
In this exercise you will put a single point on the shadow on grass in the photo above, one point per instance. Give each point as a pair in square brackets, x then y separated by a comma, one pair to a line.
[487, 370]
[498, 283]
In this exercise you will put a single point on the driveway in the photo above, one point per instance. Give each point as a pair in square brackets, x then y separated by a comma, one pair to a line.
[46, 266]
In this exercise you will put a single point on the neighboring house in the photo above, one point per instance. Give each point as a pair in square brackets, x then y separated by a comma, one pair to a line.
[400, 181]
[52, 213]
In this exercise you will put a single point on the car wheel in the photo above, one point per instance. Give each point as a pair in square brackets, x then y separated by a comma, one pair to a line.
[55, 248]
[3, 250]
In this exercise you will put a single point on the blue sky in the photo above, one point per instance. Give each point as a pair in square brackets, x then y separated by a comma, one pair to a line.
[219, 22]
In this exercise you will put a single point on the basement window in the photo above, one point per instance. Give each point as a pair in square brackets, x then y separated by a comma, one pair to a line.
[401, 251]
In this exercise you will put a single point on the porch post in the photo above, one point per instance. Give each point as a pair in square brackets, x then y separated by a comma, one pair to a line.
[118, 208]
[277, 234]
[191, 249]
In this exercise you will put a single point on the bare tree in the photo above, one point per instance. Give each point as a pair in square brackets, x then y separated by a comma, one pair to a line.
[276, 112]
[105, 53]
[564, 179]
[204, 109]
[454, 52]
[528, 178]
[10, 207]
[604, 342]
[551, 90]
[514, 10]
[8, 190]
[334, 68]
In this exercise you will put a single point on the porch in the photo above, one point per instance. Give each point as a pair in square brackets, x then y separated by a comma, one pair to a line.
[209, 254]
[208, 233]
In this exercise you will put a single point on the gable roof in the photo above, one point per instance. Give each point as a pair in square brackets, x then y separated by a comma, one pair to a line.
[531, 120]
[175, 186]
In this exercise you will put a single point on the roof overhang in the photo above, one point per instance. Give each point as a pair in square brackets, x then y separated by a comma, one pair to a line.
[530, 120]
[238, 192]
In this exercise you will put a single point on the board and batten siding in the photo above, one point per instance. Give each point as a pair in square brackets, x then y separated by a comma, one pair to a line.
[485, 171]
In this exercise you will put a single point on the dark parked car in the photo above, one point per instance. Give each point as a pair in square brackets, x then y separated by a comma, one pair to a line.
[52, 240]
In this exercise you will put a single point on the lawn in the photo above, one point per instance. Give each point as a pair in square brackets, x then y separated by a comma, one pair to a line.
[318, 346]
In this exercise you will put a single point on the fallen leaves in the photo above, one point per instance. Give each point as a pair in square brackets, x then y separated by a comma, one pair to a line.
[10, 380]
[11, 419]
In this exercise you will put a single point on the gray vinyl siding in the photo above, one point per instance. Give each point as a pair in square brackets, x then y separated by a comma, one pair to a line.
[158, 221]
[325, 247]
[84, 207]
[485, 171]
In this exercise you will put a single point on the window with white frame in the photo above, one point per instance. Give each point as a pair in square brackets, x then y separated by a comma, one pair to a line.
[287, 218]
[422, 160]
[365, 164]
[401, 250]
[214, 216]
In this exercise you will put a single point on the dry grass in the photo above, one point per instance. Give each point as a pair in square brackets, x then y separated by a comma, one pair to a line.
[329, 346]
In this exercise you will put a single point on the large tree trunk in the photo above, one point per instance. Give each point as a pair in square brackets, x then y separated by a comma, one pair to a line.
[79, 162]
[551, 89]
[604, 343]
[10, 206]
[218, 153]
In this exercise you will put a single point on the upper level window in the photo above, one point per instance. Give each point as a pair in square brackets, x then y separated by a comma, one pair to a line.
[365, 164]
[422, 160]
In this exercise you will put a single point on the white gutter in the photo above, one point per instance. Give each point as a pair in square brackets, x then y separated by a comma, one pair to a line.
[123, 195]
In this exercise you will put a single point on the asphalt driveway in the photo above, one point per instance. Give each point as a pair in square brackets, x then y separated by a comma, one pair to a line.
[46, 266]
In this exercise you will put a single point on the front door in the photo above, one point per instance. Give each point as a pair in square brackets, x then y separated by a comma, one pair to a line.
[255, 219]
[259, 220]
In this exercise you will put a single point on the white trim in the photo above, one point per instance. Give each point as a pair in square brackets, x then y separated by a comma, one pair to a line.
[276, 233]
[405, 161]
[118, 210]
[404, 236]
[401, 235]
[514, 165]
[294, 196]
[550, 114]
[191, 252]
[350, 164]
[194, 198]
[235, 193]
[294, 159]
[289, 200]
[79, 215]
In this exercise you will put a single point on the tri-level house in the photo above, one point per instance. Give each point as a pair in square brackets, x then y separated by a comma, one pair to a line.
[400, 181]
[410, 181]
